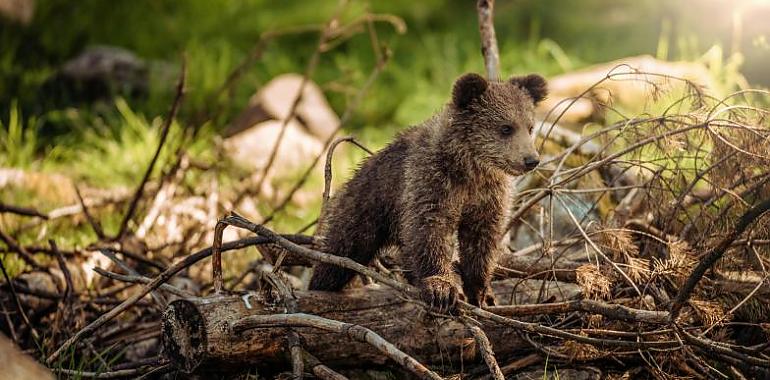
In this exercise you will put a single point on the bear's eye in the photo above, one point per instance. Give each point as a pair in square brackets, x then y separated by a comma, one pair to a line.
[506, 129]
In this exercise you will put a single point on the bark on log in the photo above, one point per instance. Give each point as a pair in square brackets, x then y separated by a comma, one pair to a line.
[197, 332]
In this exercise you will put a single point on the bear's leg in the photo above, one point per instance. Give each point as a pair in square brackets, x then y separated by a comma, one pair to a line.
[480, 234]
[360, 242]
[428, 226]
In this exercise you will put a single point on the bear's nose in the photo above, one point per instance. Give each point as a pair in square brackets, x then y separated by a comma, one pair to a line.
[531, 163]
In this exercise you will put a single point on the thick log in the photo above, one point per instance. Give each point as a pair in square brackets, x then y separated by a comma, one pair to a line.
[198, 334]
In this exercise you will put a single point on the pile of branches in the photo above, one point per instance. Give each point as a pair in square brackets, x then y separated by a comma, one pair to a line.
[637, 249]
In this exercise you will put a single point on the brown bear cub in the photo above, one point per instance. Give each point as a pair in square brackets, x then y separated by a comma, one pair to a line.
[446, 181]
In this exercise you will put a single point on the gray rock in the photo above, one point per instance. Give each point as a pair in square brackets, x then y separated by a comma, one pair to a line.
[275, 99]
[579, 205]
[100, 72]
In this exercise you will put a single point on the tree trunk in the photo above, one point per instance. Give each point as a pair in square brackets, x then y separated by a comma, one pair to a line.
[197, 332]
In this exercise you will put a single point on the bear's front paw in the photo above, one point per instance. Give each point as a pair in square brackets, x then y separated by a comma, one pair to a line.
[481, 297]
[439, 292]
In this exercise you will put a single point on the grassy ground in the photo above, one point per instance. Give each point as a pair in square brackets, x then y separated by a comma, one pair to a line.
[108, 144]
[440, 43]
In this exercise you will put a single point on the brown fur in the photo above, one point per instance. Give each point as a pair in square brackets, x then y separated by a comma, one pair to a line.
[447, 180]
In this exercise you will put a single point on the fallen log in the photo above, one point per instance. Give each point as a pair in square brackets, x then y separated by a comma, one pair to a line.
[199, 333]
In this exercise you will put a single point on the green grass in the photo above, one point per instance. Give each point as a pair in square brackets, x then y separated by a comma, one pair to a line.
[18, 142]
[441, 42]
[109, 144]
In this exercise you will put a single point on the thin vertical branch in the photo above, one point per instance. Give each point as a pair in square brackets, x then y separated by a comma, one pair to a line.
[93, 222]
[328, 167]
[295, 349]
[20, 308]
[216, 257]
[70, 289]
[292, 337]
[163, 136]
[486, 11]
[323, 39]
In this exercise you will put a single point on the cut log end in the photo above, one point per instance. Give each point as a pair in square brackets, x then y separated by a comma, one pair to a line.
[184, 335]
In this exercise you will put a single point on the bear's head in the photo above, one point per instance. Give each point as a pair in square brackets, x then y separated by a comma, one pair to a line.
[494, 120]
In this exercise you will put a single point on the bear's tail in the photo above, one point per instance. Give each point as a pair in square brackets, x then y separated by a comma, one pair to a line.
[330, 277]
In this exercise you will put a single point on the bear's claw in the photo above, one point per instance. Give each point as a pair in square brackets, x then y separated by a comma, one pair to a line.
[439, 293]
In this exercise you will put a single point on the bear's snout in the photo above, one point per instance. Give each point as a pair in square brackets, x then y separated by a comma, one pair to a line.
[531, 162]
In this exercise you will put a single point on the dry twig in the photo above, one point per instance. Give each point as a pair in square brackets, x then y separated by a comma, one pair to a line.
[356, 332]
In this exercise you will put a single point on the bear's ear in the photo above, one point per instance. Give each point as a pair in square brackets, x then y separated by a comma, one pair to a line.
[533, 84]
[466, 88]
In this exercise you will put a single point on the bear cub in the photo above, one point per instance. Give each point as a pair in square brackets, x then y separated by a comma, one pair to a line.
[442, 185]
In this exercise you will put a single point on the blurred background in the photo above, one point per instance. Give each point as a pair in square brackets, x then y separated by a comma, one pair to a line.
[84, 85]
[440, 42]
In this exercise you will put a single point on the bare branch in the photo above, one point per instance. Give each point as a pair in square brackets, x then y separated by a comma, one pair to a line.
[613, 311]
[482, 342]
[486, 12]
[154, 284]
[356, 332]
[14, 246]
[93, 222]
[180, 89]
[24, 211]
[711, 257]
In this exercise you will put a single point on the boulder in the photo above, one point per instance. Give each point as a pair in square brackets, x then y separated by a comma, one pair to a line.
[628, 90]
[251, 150]
[252, 147]
[20, 11]
[99, 73]
[275, 99]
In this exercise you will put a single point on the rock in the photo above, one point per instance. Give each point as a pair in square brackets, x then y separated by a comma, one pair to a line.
[17, 365]
[178, 215]
[37, 282]
[275, 99]
[627, 90]
[250, 139]
[99, 73]
[20, 11]
[251, 148]
[552, 108]
[581, 206]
